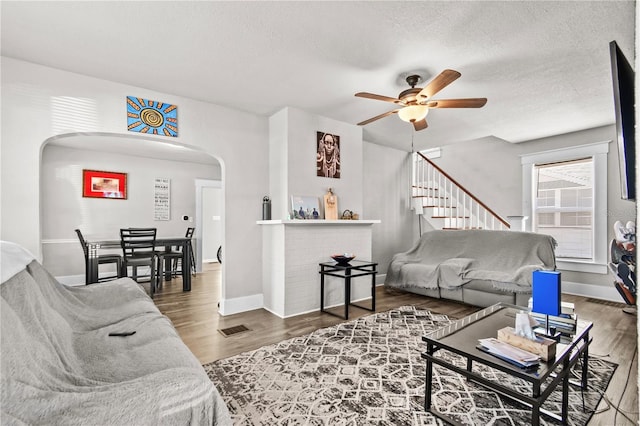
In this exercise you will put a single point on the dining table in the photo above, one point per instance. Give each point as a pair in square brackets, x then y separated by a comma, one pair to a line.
[95, 245]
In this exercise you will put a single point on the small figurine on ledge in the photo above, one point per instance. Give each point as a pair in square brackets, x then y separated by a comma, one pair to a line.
[330, 206]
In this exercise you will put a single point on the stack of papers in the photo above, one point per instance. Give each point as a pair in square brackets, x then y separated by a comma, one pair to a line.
[506, 352]
[565, 322]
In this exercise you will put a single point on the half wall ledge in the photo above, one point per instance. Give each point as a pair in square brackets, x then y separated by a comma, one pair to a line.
[317, 222]
[291, 253]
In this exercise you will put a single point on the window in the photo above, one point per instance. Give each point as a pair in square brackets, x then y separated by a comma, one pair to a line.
[564, 206]
[565, 195]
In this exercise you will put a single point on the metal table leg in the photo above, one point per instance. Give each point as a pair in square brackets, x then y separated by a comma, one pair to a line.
[373, 290]
[92, 263]
[321, 288]
[347, 292]
[187, 255]
[429, 377]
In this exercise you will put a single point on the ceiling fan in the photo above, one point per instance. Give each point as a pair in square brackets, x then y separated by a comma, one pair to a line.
[416, 102]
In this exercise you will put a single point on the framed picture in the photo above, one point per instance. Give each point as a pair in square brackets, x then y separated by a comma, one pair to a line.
[304, 207]
[100, 184]
[153, 117]
[162, 199]
[327, 155]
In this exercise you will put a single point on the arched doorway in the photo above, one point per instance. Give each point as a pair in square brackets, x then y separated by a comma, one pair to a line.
[63, 208]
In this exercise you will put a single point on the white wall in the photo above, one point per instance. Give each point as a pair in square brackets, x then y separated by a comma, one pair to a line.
[64, 209]
[292, 140]
[386, 197]
[237, 139]
[278, 167]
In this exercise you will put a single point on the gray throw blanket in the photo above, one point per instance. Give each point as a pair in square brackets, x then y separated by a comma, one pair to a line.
[450, 259]
[60, 367]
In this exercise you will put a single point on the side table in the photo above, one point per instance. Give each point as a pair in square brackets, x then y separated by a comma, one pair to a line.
[355, 268]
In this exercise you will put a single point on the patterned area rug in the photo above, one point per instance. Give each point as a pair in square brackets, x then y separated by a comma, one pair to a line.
[369, 371]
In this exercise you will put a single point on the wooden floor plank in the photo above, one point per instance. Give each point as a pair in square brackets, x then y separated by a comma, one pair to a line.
[195, 316]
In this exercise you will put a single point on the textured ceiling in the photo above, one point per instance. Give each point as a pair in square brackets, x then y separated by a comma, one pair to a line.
[544, 66]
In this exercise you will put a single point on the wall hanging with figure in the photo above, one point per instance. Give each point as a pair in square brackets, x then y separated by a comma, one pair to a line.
[328, 155]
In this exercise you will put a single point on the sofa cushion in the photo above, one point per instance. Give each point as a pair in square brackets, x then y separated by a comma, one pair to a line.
[453, 271]
[419, 275]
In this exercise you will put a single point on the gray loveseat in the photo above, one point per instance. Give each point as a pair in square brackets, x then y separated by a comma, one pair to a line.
[477, 267]
[59, 365]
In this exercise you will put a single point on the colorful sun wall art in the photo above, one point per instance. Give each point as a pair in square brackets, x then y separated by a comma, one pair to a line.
[153, 117]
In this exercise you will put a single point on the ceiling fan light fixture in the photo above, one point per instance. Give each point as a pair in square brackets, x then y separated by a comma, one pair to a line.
[413, 113]
[415, 102]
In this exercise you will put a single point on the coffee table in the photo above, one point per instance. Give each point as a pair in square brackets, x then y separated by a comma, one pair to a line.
[461, 337]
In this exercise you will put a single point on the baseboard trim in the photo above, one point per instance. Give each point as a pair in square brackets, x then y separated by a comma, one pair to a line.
[590, 290]
[240, 304]
[337, 305]
[273, 312]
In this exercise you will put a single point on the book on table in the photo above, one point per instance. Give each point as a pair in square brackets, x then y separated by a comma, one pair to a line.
[565, 307]
[567, 314]
[564, 322]
[509, 353]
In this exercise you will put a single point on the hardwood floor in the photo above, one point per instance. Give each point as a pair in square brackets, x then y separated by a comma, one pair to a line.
[195, 316]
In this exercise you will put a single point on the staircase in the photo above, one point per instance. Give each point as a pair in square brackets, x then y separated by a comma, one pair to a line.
[444, 203]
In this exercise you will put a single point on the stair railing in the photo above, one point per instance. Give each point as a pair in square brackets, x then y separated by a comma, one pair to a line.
[459, 208]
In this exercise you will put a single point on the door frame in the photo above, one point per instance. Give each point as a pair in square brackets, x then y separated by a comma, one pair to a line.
[199, 185]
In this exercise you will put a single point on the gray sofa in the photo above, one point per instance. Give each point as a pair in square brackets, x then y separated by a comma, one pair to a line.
[60, 366]
[477, 267]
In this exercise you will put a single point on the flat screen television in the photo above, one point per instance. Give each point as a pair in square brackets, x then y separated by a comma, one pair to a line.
[623, 78]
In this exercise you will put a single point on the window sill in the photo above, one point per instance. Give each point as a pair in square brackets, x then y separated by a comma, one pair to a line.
[581, 266]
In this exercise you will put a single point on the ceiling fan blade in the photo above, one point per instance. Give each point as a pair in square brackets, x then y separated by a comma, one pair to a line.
[378, 97]
[420, 125]
[457, 103]
[443, 79]
[377, 117]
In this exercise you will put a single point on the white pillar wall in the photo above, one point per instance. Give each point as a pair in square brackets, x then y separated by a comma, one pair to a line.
[292, 251]
[292, 156]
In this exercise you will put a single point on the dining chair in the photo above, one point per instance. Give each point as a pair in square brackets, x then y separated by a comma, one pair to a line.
[174, 257]
[139, 249]
[102, 260]
[189, 234]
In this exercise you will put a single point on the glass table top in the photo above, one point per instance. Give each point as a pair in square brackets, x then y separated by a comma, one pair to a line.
[462, 335]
